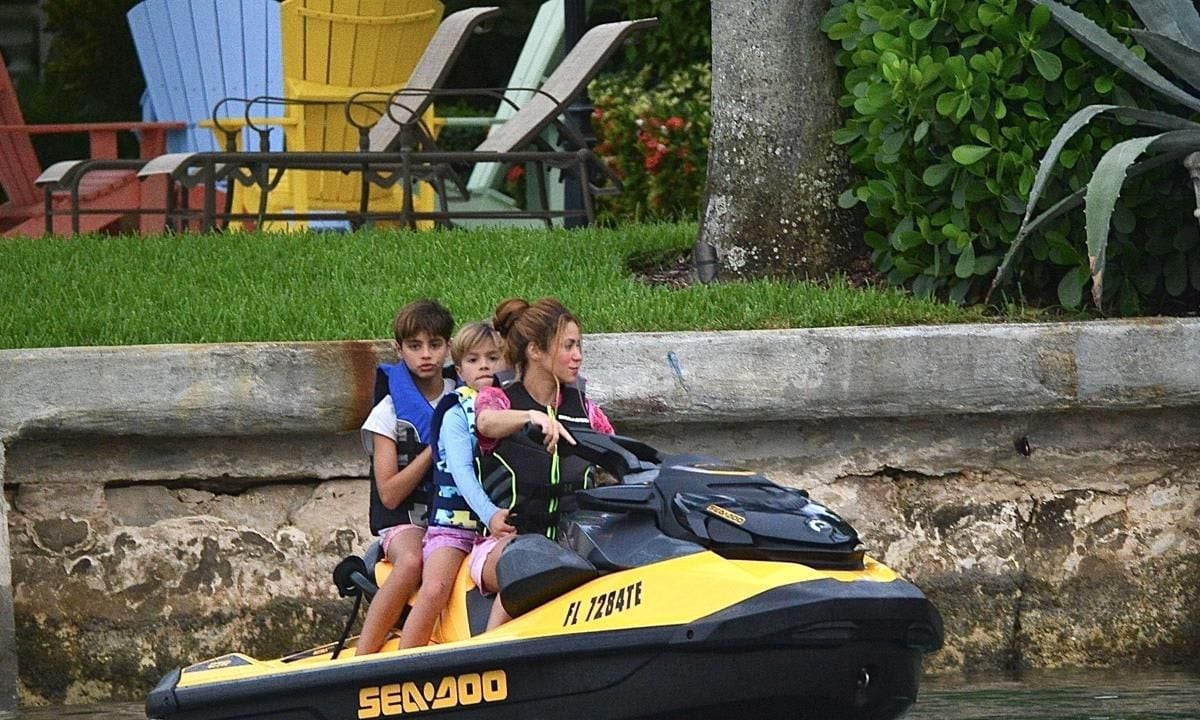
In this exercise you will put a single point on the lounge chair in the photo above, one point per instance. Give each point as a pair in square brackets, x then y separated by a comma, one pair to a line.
[508, 142]
[543, 46]
[406, 165]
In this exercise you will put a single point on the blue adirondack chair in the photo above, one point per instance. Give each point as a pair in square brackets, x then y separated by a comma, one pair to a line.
[196, 53]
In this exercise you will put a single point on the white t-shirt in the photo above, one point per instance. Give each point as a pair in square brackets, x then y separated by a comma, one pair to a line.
[383, 421]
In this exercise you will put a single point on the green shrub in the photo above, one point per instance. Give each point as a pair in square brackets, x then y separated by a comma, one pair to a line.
[683, 35]
[92, 61]
[952, 103]
[656, 139]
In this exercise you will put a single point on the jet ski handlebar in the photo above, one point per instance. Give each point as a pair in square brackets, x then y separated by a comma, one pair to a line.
[619, 455]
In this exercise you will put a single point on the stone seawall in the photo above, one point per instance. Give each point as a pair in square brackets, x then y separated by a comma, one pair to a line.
[1040, 482]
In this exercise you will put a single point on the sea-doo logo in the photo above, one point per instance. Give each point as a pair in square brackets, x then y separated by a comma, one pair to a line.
[818, 525]
[724, 514]
[408, 698]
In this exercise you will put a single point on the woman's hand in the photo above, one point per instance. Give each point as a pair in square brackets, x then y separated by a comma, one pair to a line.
[552, 430]
[499, 526]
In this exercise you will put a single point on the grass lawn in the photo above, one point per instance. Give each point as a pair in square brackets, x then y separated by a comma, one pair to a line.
[229, 287]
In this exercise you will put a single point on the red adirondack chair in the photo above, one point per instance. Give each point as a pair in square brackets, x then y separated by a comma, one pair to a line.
[119, 190]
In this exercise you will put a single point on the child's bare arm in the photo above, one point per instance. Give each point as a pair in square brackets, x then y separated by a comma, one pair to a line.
[394, 483]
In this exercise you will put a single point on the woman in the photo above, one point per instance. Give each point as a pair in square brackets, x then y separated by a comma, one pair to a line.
[543, 343]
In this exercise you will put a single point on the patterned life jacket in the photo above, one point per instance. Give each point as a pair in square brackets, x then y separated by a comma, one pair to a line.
[448, 508]
[536, 486]
[413, 418]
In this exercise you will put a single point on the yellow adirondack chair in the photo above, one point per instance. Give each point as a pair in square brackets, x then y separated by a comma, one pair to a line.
[332, 50]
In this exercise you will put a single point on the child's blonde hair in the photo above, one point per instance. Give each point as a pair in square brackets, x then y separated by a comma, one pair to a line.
[470, 336]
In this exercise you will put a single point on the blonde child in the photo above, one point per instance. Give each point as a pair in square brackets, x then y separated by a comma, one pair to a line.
[458, 500]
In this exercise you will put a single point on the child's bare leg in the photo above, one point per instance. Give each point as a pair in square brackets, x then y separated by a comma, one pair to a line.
[491, 583]
[437, 580]
[499, 615]
[404, 552]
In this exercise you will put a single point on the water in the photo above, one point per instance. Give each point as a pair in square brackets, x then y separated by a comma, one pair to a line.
[1074, 695]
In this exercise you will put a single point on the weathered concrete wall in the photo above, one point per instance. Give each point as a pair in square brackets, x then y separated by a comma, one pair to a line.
[175, 502]
[8, 640]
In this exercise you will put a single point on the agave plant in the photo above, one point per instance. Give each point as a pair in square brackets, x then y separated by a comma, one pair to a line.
[1172, 35]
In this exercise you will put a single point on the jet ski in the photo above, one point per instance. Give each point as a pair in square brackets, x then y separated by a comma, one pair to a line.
[681, 587]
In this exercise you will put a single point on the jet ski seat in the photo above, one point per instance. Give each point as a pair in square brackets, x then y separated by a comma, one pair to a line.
[534, 569]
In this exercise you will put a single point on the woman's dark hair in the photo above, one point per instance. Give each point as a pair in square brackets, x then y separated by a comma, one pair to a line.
[520, 323]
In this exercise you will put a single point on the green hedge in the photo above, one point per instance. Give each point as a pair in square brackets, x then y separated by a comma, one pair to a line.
[92, 65]
[952, 104]
[683, 36]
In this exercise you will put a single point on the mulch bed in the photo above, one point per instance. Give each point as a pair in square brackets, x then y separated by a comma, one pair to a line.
[676, 272]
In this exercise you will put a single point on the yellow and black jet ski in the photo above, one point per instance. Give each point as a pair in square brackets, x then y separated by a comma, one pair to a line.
[688, 589]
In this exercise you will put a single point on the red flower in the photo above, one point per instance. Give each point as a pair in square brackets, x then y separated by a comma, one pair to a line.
[514, 174]
[675, 122]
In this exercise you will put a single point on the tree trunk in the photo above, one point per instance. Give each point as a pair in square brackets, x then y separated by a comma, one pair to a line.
[774, 174]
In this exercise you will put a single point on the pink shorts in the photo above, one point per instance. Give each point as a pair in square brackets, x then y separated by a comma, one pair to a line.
[437, 538]
[386, 535]
[483, 547]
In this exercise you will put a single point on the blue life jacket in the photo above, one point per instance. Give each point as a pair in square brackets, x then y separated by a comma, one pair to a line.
[414, 416]
[448, 508]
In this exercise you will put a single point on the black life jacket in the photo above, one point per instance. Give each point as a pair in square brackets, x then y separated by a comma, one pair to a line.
[536, 486]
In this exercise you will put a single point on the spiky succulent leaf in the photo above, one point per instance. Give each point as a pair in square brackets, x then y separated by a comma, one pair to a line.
[1184, 60]
[1074, 124]
[1075, 199]
[1148, 118]
[1104, 189]
[1111, 49]
[1176, 19]
[1066, 205]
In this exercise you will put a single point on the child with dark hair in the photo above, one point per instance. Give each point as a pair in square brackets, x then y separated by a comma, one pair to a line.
[397, 437]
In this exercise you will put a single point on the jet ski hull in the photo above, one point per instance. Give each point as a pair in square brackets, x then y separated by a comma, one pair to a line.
[690, 589]
[824, 648]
